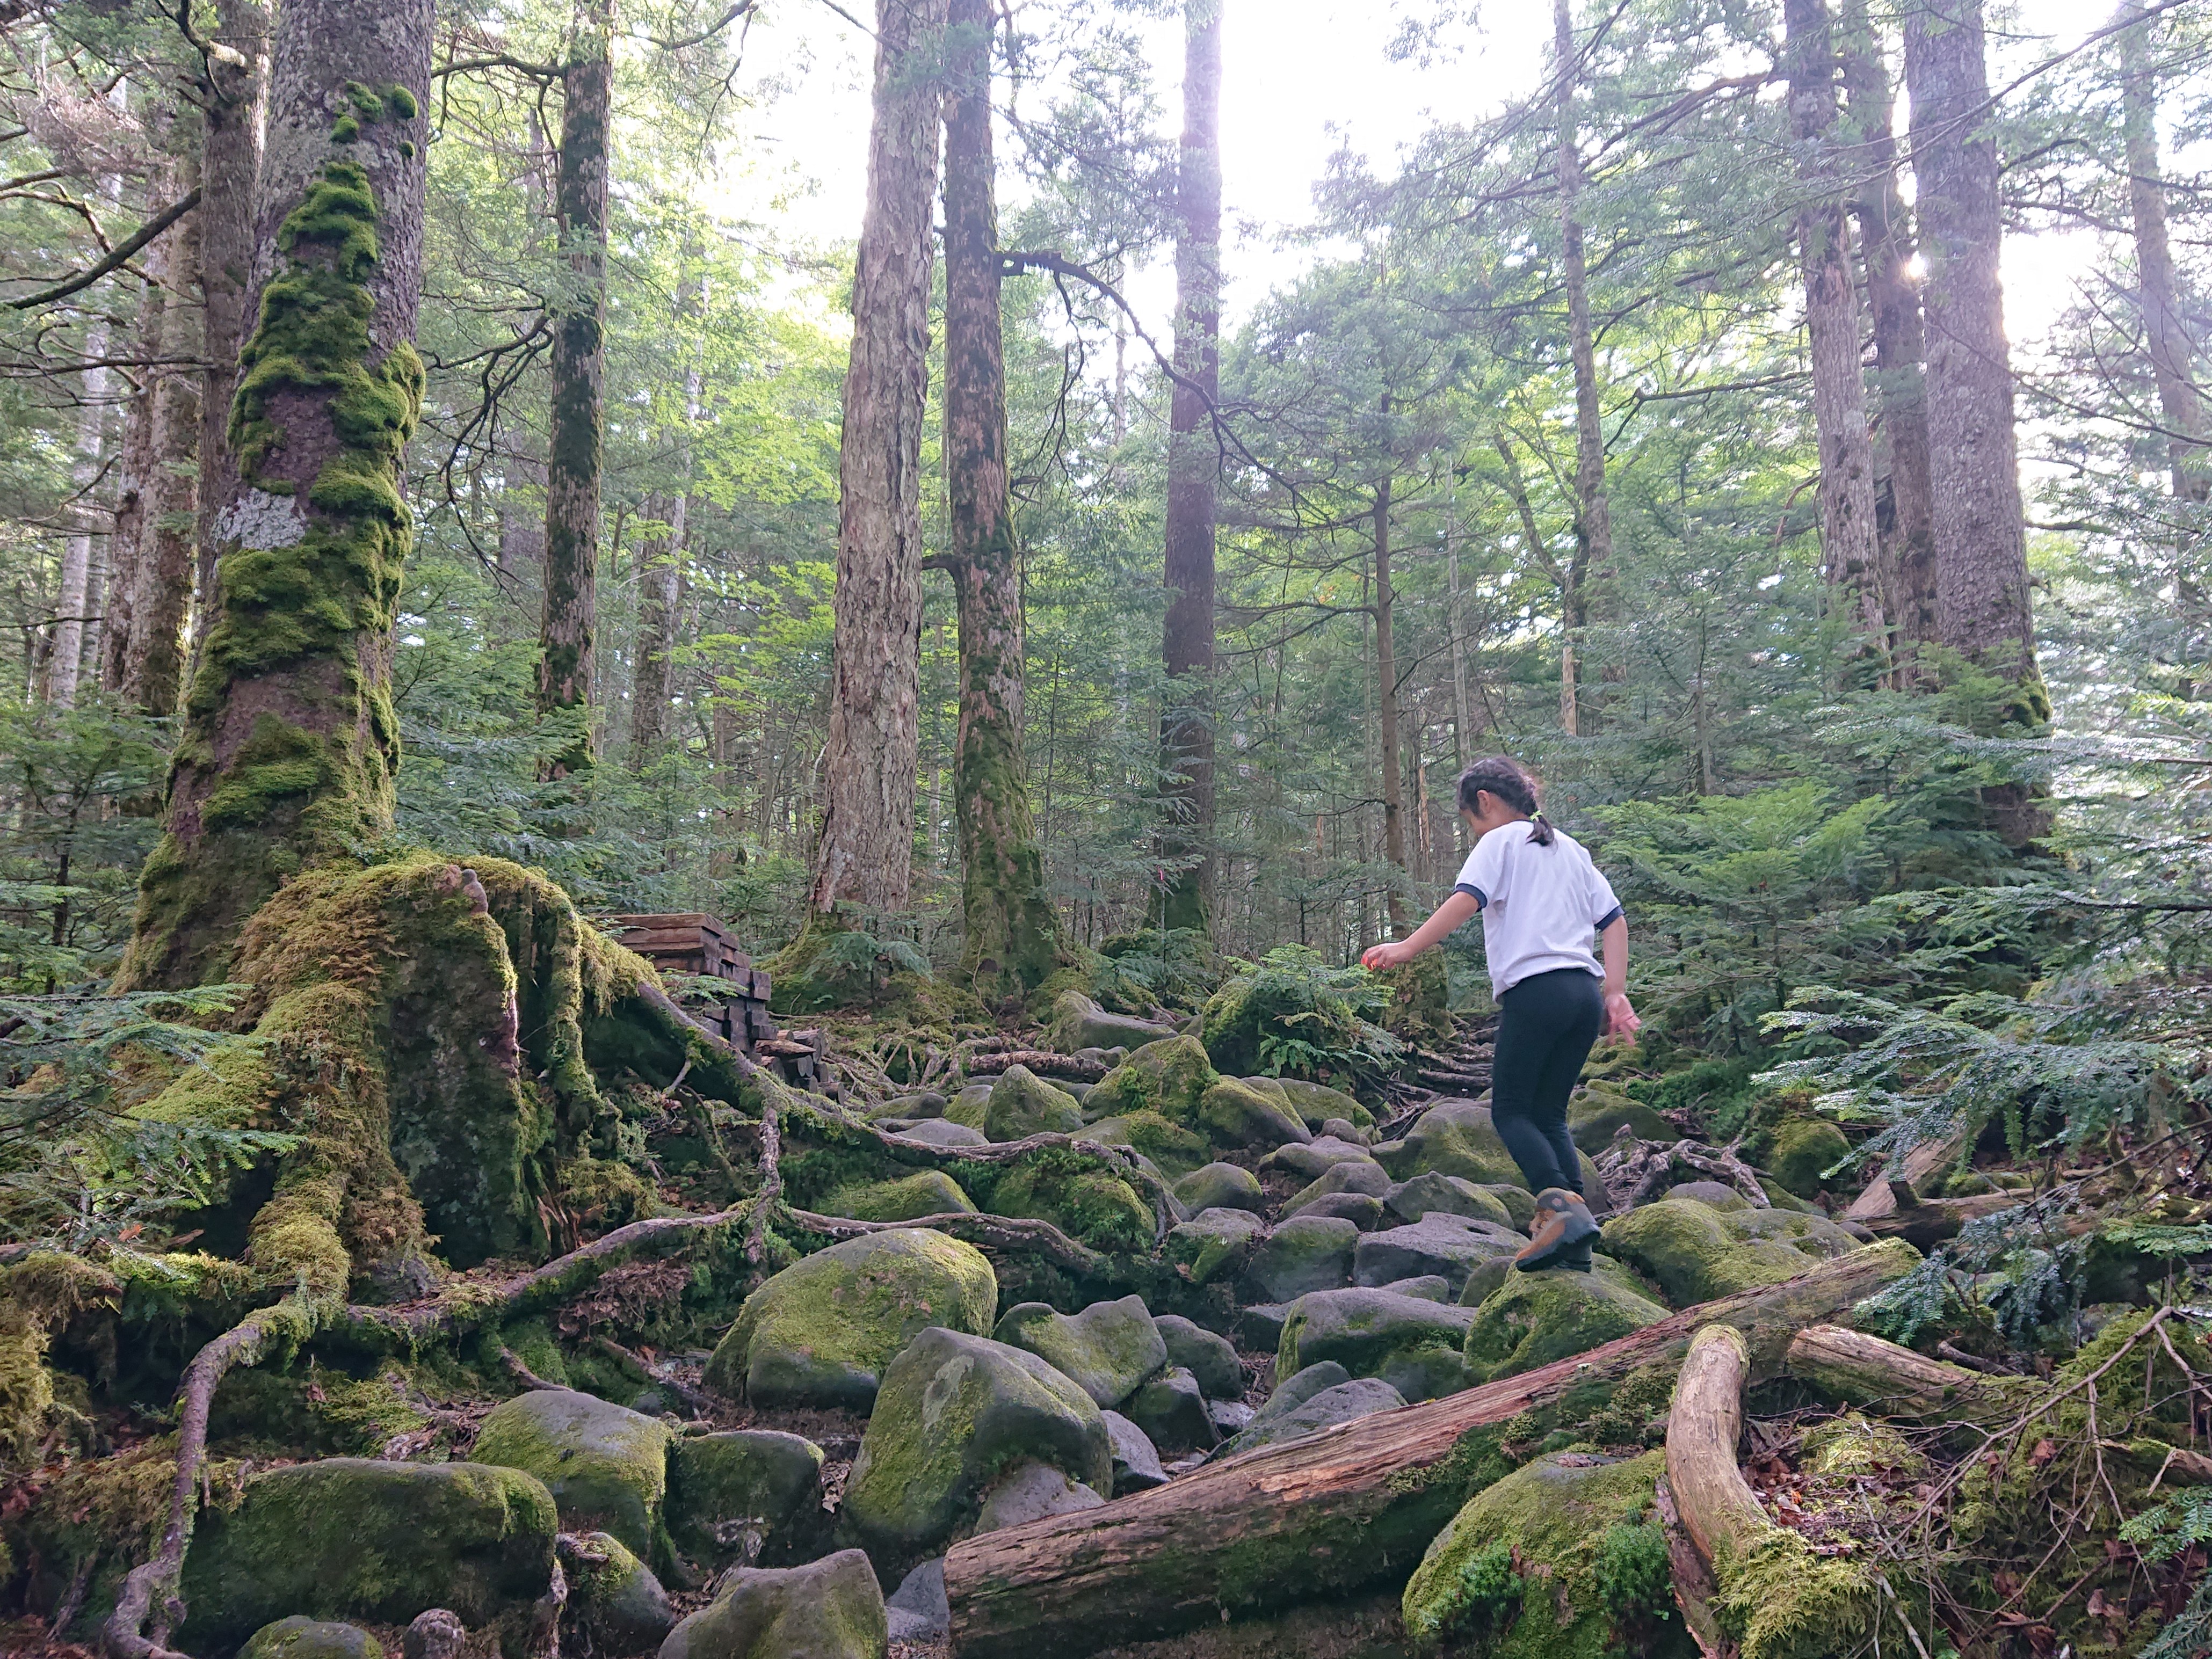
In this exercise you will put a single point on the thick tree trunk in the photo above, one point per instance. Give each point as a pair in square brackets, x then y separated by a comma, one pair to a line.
[1900, 341]
[1593, 555]
[865, 853]
[65, 652]
[1849, 542]
[1012, 932]
[1982, 604]
[566, 629]
[1193, 471]
[659, 600]
[2166, 335]
[1386, 695]
[161, 576]
[1330, 1514]
[230, 164]
[290, 739]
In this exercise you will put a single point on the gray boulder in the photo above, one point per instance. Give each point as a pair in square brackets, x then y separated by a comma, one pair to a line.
[311, 1638]
[944, 1132]
[1452, 1137]
[1212, 1360]
[1300, 1385]
[1352, 1175]
[1447, 1246]
[1023, 1103]
[1106, 1350]
[1429, 1287]
[1220, 1187]
[1429, 1192]
[954, 1410]
[1317, 1103]
[1214, 1244]
[1261, 1325]
[1077, 1023]
[919, 1611]
[1171, 1411]
[1236, 1112]
[1413, 1344]
[1311, 1159]
[1345, 1402]
[756, 1483]
[1718, 1194]
[1363, 1210]
[1306, 1253]
[832, 1608]
[1136, 1460]
[615, 1602]
[1030, 1491]
[1341, 1129]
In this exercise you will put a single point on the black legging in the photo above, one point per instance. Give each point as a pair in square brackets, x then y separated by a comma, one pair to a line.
[1547, 1025]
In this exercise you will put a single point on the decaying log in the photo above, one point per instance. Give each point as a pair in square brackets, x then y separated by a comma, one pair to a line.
[1336, 1512]
[1858, 1369]
[1916, 1166]
[1924, 1223]
[1715, 1502]
[1040, 1061]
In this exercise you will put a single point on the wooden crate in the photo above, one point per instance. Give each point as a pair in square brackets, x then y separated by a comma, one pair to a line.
[687, 942]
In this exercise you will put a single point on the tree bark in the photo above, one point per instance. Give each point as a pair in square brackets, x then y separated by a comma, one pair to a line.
[1573, 602]
[132, 498]
[1386, 689]
[1012, 930]
[290, 739]
[578, 361]
[1982, 604]
[65, 654]
[1327, 1515]
[1716, 1504]
[1908, 534]
[1848, 542]
[1193, 471]
[659, 601]
[1865, 1371]
[866, 852]
[1462, 714]
[161, 575]
[1593, 555]
[236, 96]
[2166, 335]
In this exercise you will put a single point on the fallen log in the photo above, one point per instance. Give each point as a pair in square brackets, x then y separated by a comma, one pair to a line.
[1346, 1509]
[1039, 1061]
[1924, 1223]
[1716, 1504]
[1879, 1198]
[1857, 1369]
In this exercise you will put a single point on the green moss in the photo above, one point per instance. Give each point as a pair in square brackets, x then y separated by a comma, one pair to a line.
[1087, 1202]
[1533, 1319]
[1177, 1150]
[1801, 1152]
[606, 1466]
[1694, 1253]
[1169, 1078]
[930, 1192]
[1779, 1600]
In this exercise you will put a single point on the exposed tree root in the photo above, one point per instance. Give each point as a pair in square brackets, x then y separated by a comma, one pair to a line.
[1009, 1233]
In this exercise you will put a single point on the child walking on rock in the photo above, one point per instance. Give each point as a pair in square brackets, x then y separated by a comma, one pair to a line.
[1543, 901]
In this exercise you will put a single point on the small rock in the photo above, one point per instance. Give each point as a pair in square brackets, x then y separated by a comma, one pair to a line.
[943, 1132]
[1352, 1175]
[614, 1598]
[1136, 1460]
[1214, 1244]
[1261, 1325]
[435, 1634]
[1301, 1386]
[1229, 1415]
[1030, 1491]
[1306, 1253]
[1446, 1245]
[918, 1609]
[1363, 1396]
[1429, 1287]
[1363, 1210]
[1212, 1360]
[832, 1608]
[1106, 1350]
[1022, 1104]
[1429, 1192]
[1311, 1159]
[1220, 1187]
[312, 1638]
[1172, 1413]
[1339, 1129]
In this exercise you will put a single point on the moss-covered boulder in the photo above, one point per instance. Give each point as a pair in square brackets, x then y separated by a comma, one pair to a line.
[1311, 1159]
[362, 1539]
[1430, 1193]
[930, 1192]
[1022, 1104]
[1801, 1151]
[954, 1411]
[1595, 1114]
[1175, 1149]
[832, 1608]
[1316, 1103]
[1417, 1008]
[1519, 1203]
[1171, 1411]
[970, 1108]
[605, 1465]
[1694, 1253]
[311, 1638]
[1086, 1202]
[1108, 1349]
[1237, 1112]
[1414, 1344]
[1453, 1137]
[945, 1132]
[615, 1602]
[1078, 1022]
[760, 1483]
[1562, 1559]
[1533, 1319]
[1295, 1412]
[1212, 1360]
[821, 1332]
[1350, 1176]
[1220, 1187]
[1214, 1244]
[1170, 1077]
[1306, 1253]
[1440, 1243]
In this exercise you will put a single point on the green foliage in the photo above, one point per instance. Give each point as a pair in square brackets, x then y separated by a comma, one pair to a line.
[1635, 1581]
[1165, 968]
[1483, 1598]
[1292, 1013]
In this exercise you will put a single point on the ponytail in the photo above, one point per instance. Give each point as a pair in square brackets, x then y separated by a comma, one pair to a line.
[1512, 783]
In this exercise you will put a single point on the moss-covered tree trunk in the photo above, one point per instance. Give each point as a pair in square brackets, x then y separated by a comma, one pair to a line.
[659, 597]
[1907, 530]
[162, 574]
[1193, 471]
[1593, 554]
[578, 373]
[1849, 545]
[290, 739]
[1012, 930]
[866, 851]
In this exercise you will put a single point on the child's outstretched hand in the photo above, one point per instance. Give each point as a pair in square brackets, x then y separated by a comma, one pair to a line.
[1621, 1021]
[1379, 956]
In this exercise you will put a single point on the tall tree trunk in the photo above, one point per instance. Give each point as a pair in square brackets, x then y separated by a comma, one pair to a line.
[235, 98]
[290, 739]
[1593, 555]
[1193, 469]
[866, 852]
[65, 652]
[1386, 706]
[1848, 541]
[1574, 603]
[1012, 930]
[162, 578]
[2166, 336]
[1908, 534]
[134, 494]
[659, 601]
[1463, 716]
[1981, 603]
[566, 628]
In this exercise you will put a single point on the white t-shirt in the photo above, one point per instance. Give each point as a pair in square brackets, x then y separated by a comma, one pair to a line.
[1543, 907]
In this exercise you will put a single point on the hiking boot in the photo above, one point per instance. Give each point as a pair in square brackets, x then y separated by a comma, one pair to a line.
[1560, 1235]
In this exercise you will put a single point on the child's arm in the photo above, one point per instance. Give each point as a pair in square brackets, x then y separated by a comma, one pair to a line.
[1450, 916]
[1620, 1020]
